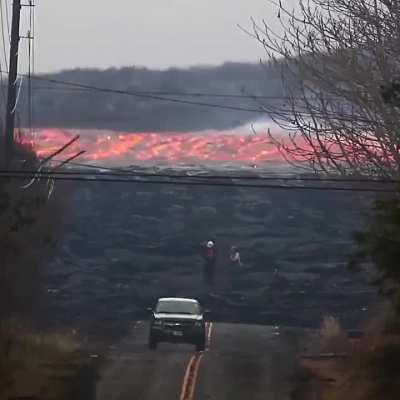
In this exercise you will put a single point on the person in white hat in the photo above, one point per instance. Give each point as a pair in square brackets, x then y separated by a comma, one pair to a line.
[209, 256]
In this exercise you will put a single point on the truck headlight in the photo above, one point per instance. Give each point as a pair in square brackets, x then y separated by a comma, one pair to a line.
[198, 324]
[157, 322]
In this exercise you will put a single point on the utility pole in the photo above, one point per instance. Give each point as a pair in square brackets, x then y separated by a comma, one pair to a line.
[12, 83]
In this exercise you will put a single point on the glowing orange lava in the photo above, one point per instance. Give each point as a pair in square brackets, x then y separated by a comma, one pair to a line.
[154, 148]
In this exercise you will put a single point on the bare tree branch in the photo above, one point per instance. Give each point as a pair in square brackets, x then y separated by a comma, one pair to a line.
[335, 56]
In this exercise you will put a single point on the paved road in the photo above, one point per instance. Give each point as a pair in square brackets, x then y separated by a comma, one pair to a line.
[245, 362]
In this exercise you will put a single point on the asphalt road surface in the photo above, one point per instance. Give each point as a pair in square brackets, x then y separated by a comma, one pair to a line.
[246, 362]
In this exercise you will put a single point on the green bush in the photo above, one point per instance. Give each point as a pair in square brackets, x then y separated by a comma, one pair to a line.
[379, 243]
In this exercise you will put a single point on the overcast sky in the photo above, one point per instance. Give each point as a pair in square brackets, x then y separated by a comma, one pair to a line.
[151, 33]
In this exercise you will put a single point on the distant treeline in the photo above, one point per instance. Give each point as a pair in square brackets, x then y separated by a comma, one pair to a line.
[62, 106]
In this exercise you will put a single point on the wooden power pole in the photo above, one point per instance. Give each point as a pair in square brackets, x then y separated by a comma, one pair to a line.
[12, 83]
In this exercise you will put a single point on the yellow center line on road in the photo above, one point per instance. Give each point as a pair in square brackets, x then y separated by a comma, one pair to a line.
[192, 370]
[185, 386]
[193, 378]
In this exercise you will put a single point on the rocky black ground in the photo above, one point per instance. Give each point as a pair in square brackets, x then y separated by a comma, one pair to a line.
[124, 245]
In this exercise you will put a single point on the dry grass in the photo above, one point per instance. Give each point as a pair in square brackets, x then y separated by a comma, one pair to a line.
[333, 339]
[32, 364]
[30, 226]
[370, 371]
[40, 365]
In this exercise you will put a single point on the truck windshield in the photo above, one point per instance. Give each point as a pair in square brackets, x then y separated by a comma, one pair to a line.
[178, 307]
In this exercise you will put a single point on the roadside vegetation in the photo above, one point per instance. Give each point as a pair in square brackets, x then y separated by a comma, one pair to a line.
[34, 363]
[40, 364]
[340, 70]
[362, 368]
[379, 248]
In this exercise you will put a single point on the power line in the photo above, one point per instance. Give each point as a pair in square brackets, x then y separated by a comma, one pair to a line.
[130, 173]
[30, 63]
[186, 94]
[261, 110]
[7, 19]
[296, 177]
[150, 96]
[3, 88]
[147, 96]
[18, 96]
[3, 34]
[168, 93]
[89, 179]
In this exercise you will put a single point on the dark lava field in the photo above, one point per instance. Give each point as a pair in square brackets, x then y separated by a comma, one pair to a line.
[125, 245]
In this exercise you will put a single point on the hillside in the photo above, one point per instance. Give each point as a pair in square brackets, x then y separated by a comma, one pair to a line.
[66, 107]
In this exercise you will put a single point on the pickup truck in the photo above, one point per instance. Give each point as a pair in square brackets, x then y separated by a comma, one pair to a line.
[177, 320]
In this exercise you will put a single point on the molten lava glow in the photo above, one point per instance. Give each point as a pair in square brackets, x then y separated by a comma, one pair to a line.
[155, 148]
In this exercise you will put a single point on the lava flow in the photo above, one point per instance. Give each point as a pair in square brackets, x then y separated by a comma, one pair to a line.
[156, 148]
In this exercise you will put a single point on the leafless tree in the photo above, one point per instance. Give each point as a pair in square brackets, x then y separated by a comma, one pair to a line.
[336, 58]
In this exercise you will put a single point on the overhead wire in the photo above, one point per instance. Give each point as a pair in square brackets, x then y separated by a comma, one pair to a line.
[260, 110]
[3, 34]
[30, 62]
[18, 96]
[135, 174]
[3, 87]
[107, 170]
[4, 54]
[295, 178]
[185, 94]
[8, 20]
[33, 60]
[193, 183]
[147, 96]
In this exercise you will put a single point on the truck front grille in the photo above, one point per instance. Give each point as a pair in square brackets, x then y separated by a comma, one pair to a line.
[178, 324]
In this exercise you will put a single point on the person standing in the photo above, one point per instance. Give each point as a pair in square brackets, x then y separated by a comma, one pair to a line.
[234, 256]
[235, 263]
[210, 258]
